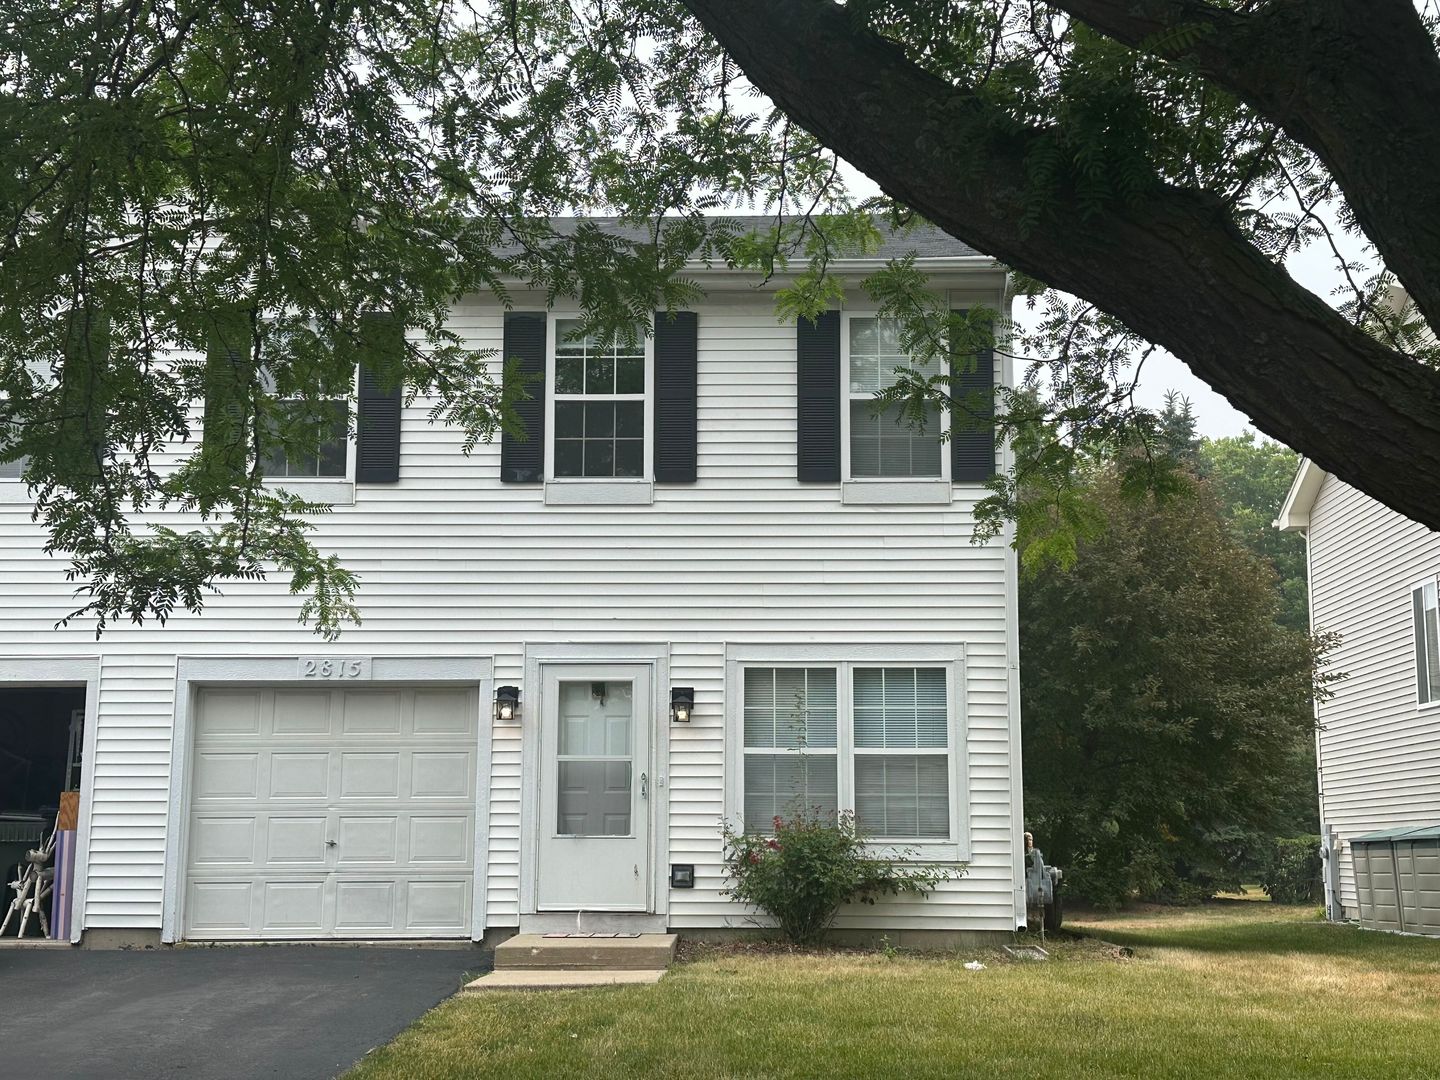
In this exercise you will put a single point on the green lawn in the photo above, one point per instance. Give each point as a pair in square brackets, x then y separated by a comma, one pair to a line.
[1227, 991]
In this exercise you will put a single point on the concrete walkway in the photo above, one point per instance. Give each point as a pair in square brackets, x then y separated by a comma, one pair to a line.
[292, 1011]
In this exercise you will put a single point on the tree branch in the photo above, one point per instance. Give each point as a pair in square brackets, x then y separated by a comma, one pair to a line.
[1168, 262]
[1356, 81]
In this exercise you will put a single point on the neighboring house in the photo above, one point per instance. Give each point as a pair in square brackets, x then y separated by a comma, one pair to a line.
[715, 514]
[1373, 576]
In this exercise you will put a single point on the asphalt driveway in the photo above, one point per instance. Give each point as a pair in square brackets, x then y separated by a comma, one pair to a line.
[293, 1011]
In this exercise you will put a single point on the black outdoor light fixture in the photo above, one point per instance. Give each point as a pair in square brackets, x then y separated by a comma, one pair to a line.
[507, 703]
[682, 700]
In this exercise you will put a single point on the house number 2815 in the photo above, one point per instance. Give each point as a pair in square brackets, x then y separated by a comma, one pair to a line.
[334, 667]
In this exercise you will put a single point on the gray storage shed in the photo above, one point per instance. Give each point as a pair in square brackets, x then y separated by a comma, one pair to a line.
[1397, 879]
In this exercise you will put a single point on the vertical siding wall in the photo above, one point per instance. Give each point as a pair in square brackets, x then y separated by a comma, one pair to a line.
[453, 562]
[1379, 751]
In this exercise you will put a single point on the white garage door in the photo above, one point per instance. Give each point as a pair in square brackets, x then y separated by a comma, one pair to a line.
[319, 813]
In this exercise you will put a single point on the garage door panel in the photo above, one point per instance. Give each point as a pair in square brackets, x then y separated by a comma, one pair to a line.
[228, 712]
[438, 905]
[442, 712]
[223, 840]
[340, 812]
[226, 776]
[220, 906]
[370, 775]
[295, 775]
[294, 906]
[366, 906]
[441, 775]
[302, 712]
[371, 713]
[369, 839]
[440, 840]
[293, 840]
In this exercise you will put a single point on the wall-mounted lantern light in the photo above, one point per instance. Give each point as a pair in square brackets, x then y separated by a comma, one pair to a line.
[507, 704]
[682, 700]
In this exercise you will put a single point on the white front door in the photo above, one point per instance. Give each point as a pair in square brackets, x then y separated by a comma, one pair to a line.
[596, 788]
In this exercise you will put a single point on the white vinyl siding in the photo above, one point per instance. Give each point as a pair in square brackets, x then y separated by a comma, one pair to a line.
[1378, 747]
[886, 443]
[453, 562]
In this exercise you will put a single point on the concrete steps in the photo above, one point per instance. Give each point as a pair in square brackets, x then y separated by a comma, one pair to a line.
[560, 961]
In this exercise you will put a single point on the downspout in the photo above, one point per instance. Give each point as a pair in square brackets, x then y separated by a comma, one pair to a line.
[1329, 853]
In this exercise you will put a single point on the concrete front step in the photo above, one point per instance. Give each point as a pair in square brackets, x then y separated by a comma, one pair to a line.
[568, 979]
[653, 952]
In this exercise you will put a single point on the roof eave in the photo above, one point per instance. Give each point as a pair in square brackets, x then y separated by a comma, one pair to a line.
[1294, 513]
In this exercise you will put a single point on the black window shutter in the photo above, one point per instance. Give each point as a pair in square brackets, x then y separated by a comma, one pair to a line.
[377, 418]
[225, 438]
[972, 418]
[85, 393]
[522, 461]
[817, 441]
[676, 396]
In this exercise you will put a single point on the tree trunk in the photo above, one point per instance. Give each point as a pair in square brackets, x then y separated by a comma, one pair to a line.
[1169, 263]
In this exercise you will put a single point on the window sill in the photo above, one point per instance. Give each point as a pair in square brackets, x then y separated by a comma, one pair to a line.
[14, 491]
[892, 492]
[599, 493]
[334, 492]
[921, 851]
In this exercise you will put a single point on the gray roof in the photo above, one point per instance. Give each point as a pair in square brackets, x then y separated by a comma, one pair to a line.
[1422, 832]
[926, 240]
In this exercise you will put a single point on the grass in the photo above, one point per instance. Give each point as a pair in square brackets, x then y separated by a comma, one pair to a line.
[1230, 990]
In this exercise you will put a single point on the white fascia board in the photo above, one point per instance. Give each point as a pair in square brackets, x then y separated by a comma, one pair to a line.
[1294, 513]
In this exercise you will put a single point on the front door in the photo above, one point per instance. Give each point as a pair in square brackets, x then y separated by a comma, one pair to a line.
[595, 788]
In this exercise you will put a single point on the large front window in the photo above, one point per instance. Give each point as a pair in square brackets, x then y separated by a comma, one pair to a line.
[873, 739]
[887, 442]
[599, 405]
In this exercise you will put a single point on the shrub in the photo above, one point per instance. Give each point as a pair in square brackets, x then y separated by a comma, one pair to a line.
[813, 864]
[1292, 875]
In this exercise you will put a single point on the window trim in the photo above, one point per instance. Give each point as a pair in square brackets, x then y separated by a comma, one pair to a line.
[845, 658]
[1415, 646]
[889, 489]
[647, 477]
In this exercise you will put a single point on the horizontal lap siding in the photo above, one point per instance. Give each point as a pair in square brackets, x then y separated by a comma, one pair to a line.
[1379, 752]
[453, 562]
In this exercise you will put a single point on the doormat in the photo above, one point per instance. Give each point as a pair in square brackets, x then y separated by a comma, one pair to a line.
[565, 935]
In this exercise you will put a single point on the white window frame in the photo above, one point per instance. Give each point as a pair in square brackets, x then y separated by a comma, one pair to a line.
[335, 490]
[857, 484]
[844, 659]
[1418, 646]
[597, 489]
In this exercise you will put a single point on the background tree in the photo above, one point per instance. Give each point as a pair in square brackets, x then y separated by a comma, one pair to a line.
[1165, 707]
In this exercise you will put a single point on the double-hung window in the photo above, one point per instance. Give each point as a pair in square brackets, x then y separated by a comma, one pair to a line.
[887, 443]
[321, 440]
[599, 422]
[877, 740]
[1423, 605]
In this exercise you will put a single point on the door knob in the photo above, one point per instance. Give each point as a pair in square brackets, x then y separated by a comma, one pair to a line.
[329, 843]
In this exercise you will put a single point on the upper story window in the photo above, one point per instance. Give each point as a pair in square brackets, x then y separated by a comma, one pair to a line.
[600, 390]
[1424, 606]
[886, 443]
[330, 458]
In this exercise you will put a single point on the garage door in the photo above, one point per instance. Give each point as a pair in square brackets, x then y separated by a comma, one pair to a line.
[320, 813]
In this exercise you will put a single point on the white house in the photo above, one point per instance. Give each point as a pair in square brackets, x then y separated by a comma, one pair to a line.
[1373, 576]
[716, 516]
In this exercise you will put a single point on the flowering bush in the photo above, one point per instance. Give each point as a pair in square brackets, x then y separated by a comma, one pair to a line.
[812, 865]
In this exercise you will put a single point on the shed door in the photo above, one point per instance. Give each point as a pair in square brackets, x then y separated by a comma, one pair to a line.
[331, 813]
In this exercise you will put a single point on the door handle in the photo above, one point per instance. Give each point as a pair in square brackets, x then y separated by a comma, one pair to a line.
[329, 843]
[644, 786]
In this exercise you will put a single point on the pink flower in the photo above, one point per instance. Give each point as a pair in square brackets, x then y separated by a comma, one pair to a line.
[773, 844]
[753, 857]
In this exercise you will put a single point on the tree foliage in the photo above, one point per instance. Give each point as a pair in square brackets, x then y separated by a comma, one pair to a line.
[273, 174]
[1251, 478]
[1165, 708]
